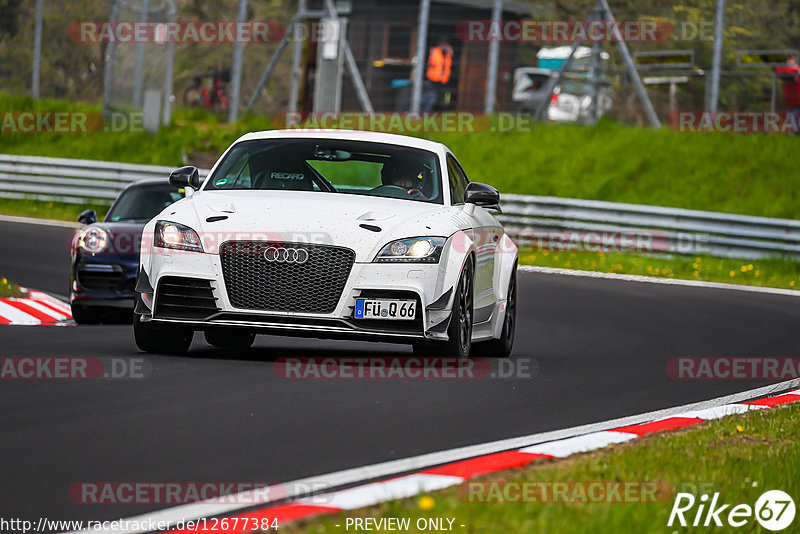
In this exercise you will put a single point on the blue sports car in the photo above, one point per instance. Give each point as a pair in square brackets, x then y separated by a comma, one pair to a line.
[105, 254]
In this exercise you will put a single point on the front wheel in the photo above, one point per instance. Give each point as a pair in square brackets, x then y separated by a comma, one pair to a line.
[459, 331]
[161, 339]
[503, 346]
[85, 315]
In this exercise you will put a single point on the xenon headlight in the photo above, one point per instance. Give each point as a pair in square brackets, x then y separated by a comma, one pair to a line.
[414, 249]
[177, 236]
[93, 240]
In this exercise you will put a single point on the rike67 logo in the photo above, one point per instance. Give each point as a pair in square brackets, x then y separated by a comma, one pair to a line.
[774, 510]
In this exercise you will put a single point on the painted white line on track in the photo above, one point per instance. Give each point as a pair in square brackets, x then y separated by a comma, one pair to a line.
[398, 488]
[297, 488]
[656, 280]
[42, 222]
[721, 411]
[587, 442]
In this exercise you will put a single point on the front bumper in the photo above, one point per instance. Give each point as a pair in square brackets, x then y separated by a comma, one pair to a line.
[427, 283]
[103, 282]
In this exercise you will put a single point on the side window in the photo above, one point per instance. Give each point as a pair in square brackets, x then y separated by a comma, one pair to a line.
[462, 176]
[454, 176]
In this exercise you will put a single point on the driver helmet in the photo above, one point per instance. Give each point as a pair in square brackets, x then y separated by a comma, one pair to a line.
[405, 174]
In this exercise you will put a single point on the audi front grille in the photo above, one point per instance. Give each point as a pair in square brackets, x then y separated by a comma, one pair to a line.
[287, 277]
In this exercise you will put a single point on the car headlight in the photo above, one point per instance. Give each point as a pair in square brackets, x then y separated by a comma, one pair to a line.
[93, 240]
[177, 236]
[414, 249]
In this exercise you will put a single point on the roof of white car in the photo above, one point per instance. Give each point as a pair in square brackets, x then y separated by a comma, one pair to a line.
[352, 135]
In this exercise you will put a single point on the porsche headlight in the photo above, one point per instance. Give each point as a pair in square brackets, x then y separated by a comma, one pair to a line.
[415, 249]
[177, 236]
[93, 240]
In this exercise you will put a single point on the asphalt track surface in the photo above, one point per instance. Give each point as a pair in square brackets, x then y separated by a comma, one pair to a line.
[600, 348]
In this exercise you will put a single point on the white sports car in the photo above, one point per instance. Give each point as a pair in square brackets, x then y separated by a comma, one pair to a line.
[335, 234]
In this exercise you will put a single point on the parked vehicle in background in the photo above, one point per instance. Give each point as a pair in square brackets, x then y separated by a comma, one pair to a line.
[571, 99]
[105, 254]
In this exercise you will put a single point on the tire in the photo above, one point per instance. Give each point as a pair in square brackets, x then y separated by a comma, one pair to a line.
[84, 315]
[502, 347]
[230, 339]
[459, 331]
[160, 339]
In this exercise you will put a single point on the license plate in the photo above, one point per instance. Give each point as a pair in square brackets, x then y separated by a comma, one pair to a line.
[385, 309]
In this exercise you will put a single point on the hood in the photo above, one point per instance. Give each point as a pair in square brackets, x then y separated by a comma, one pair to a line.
[362, 223]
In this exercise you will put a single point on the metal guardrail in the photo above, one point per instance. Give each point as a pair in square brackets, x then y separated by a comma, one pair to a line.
[534, 219]
[73, 181]
[671, 230]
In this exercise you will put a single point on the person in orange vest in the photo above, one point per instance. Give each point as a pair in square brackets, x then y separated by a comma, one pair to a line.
[437, 74]
[791, 88]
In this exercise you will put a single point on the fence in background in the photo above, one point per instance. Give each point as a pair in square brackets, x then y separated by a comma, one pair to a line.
[74, 181]
[681, 231]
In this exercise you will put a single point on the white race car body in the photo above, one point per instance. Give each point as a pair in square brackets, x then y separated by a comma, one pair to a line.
[295, 262]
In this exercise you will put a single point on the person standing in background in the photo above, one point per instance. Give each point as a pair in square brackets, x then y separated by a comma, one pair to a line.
[437, 74]
[790, 74]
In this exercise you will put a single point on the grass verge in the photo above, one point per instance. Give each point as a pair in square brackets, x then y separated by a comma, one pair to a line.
[58, 211]
[773, 272]
[740, 457]
[9, 289]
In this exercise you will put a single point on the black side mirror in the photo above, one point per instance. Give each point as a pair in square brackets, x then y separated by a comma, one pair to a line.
[87, 217]
[482, 195]
[185, 177]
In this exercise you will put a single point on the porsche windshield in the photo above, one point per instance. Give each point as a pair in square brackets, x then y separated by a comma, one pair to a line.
[332, 166]
[143, 202]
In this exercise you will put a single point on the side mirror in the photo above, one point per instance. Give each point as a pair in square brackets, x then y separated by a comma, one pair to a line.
[88, 217]
[482, 195]
[185, 177]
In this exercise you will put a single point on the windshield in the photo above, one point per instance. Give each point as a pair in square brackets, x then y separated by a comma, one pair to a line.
[142, 203]
[528, 81]
[330, 166]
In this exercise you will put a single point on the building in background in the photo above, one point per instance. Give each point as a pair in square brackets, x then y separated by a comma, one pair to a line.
[383, 38]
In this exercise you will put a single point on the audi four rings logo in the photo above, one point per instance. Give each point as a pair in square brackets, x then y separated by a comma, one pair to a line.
[296, 256]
